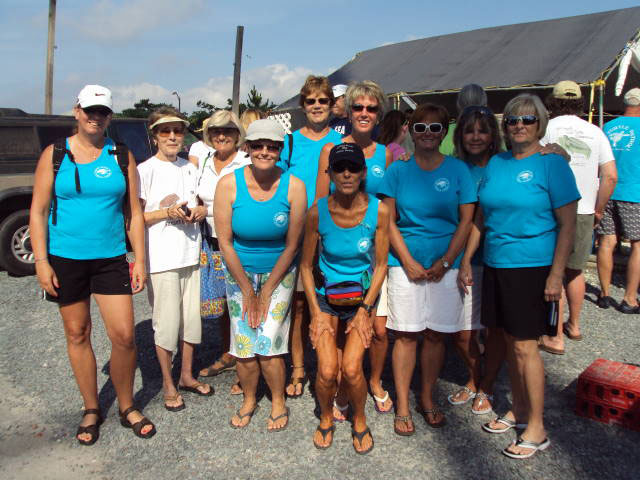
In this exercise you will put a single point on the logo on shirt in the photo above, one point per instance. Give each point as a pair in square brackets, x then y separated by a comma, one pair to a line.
[622, 137]
[280, 219]
[524, 176]
[377, 171]
[102, 172]
[364, 244]
[441, 184]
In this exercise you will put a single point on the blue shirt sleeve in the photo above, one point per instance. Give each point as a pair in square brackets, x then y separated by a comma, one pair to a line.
[468, 189]
[389, 185]
[561, 181]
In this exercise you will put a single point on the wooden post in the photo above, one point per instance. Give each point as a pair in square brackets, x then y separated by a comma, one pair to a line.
[235, 99]
[48, 88]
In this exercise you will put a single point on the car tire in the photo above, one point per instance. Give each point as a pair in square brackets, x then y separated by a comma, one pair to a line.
[16, 253]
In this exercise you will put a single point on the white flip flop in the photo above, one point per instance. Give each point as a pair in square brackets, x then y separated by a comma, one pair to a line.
[543, 445]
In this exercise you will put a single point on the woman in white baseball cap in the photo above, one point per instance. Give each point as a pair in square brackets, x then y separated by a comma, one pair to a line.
[80, 181]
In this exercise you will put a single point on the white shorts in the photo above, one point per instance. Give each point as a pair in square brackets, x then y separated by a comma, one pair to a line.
[382, 309]
[416, 306]
[473, 301]
[175, 298]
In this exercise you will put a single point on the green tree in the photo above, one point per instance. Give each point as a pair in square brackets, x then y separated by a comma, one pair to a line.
[204, 111]
[141, 109]
[254, 101]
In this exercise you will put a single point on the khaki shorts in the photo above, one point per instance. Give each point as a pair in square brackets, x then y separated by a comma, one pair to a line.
[583, 242]
[175, 298]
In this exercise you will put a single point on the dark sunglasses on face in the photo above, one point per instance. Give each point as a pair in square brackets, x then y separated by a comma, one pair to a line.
[312, 101]
[512, 120]
[222, 130]
[369, 108]
[260, 146]
[102, 111]
[423, 127]
[353, 167]
[164, 132]
[484, 111]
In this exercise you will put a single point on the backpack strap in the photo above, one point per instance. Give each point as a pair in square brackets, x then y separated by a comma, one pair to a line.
[59, 151]
[290, 138]
[121, 153]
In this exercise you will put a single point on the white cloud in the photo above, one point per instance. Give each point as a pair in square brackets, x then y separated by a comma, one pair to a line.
[112, 21]
[276, 82]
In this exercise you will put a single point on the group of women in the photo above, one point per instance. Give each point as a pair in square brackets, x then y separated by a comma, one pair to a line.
[343, 236]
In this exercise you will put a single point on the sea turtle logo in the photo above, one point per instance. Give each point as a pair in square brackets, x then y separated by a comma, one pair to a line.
[280, 219]
[441, 185]
[364, 244]
[524, 176]
[377, 171]
[102, 172]
[622, 137]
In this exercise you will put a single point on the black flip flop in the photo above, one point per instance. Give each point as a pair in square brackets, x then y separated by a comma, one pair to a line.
[360, 436]
[324, 432]
[244, 415]
[194, 389]
[283, 415]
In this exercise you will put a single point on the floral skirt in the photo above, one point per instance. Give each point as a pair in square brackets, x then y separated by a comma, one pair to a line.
[272, 336]
[212, 283]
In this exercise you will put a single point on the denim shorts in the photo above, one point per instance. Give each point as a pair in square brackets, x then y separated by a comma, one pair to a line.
[344, 313]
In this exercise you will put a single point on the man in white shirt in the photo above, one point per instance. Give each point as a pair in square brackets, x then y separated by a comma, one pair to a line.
[594, 167]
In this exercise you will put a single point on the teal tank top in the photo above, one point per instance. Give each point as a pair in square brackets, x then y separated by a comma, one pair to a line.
[346, 252]
[90, 223]
[260, 228]
[376, 166]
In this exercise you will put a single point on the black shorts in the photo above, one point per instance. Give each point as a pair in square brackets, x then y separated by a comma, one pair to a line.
[513, 299]
[78, 279]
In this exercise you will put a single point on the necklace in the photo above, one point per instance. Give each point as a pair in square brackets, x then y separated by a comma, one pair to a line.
[93, 155]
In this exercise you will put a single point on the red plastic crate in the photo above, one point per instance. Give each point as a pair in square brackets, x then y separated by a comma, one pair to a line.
[608, 414]
[611, 383]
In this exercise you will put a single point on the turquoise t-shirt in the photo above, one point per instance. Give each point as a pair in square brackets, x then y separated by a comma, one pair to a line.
[624, 136]
[517, 199]
[477, 174]
[90, 223]
[427, 204]
[304, 159]
[346, 252]
[376, 166]
[260, 228]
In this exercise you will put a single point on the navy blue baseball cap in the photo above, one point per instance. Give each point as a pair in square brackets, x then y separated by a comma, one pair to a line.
[349, 152]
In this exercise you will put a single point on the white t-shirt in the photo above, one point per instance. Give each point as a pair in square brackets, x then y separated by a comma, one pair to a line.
[171, 244]
[589, 148]
[208, 180]
[200, 150]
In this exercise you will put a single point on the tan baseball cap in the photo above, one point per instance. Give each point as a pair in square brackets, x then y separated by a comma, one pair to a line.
[567, 90]
[632, 97]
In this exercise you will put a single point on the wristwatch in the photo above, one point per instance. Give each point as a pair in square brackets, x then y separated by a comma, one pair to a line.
[367, 308]
[445, 264]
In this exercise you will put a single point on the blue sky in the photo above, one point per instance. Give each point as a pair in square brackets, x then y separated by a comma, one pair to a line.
[150, 48]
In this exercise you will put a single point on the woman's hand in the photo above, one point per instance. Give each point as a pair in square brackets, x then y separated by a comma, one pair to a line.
[138, 277]
[319, 324]
[465, 277]
[47, 278]
[363, 323]
[553, 288]
[557, 149]
[436, 271]
[198, 213]
[263, 302]
[175, 212]
[250, 308]
[415, 271]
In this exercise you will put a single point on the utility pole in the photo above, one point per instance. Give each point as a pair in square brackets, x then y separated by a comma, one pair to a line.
[176, 94]
[48, 88]
[235, 98]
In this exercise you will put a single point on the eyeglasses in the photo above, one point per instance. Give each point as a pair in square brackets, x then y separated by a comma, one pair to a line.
[260, 146]
[513, 120]
[222, 130]
[97, 110]
[423, 127]
[484, 111]
[343, 165]
[312, 101]
[164, 132]
[369, 108]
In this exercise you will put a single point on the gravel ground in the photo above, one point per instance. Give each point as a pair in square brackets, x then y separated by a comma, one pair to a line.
[41, 407]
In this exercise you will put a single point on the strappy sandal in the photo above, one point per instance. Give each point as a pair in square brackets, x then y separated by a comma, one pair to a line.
[481, 397]
[342, 410]
[432, 411]
[360, 436]
[139, 425]
[212, 371]
[241, 416]
[470, 396]
[93, 430]
[404, 419]
[274, 420]
[195, 388]
[173, 398]
[324, 432]
[296, 381]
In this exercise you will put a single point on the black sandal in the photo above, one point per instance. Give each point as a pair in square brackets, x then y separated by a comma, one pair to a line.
[295, 381]
[139, 425]
[360, 436]
[324, 432]
[93, 430]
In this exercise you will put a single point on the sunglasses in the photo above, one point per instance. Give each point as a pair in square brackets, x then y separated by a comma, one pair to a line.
[261, 146]
[512, 120]
[312, 101]
[369, 108]
[423, 127]
[222, 130]
[164, 132]
[341, 166]
[484, 111]
[97, 110]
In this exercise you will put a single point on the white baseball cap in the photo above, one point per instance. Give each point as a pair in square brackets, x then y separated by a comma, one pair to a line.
[265, 129]
[92, 95]
[339, 90]
[632, 97]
